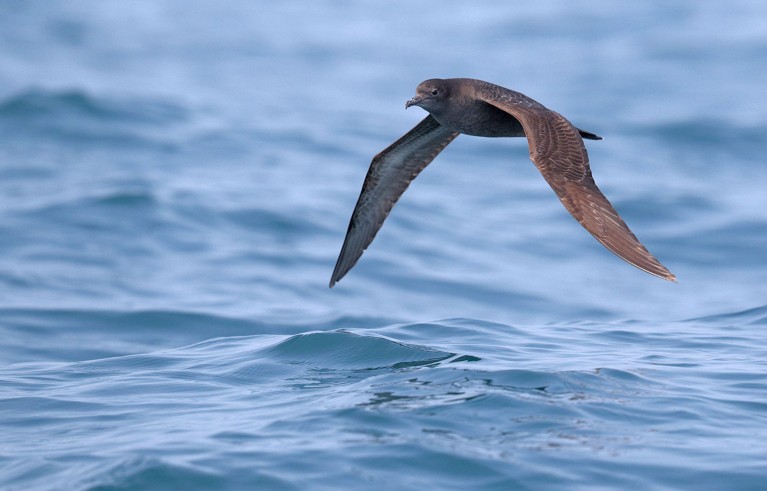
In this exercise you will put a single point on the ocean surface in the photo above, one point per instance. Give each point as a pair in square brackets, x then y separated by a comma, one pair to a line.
[176, 179]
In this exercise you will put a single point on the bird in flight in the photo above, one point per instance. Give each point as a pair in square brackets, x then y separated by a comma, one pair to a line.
[474, 107]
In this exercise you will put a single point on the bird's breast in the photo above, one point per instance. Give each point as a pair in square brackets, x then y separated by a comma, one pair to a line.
[478, 118]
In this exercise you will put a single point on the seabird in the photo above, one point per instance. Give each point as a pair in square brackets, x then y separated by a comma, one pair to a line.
[474, 107]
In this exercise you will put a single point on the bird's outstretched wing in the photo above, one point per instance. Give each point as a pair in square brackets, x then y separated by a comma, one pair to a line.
[557, 150]
[390, 173]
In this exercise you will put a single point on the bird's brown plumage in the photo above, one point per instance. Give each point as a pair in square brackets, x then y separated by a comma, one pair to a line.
[471, 106]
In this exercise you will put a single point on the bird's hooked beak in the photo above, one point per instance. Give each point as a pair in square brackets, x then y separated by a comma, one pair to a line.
[414, 101]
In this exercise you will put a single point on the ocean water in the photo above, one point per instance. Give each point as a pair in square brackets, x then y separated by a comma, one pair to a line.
[176, 179]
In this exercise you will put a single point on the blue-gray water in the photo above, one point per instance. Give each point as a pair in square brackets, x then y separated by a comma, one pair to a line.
[175, 182]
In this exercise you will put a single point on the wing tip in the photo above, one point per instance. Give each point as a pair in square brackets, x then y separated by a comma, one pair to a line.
[336, 276]
[333, 281]
[669, 276]
[659, 270]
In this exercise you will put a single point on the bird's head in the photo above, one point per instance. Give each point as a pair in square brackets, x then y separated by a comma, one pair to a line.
[429, 94]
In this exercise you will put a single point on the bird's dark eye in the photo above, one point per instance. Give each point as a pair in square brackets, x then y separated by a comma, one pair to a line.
[434, 91]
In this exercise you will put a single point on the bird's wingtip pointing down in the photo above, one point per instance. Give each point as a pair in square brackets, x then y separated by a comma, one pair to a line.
[333, 279]
[663, 274]
[336, 277]
[672, 278]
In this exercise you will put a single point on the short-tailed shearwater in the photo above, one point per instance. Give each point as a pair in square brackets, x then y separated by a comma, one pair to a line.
[474, 107]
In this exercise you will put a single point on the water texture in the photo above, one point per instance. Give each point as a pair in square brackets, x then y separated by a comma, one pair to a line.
[175, 182]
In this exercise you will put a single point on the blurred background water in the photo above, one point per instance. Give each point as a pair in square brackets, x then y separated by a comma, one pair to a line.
[175, 182]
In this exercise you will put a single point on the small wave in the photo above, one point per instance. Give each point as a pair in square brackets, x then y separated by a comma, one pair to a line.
[118, 198]
[38, 104]
[711, 133]
[753, 316]
[285, 224]
[152, 473]
[80, 118]
[713, 139]
[104, 334]
[352, 351]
